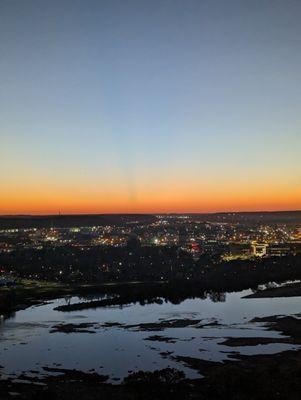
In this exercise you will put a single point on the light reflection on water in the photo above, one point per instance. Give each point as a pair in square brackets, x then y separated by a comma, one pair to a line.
[27, 345]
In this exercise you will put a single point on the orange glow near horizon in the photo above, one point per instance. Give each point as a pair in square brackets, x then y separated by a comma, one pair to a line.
[38, 201]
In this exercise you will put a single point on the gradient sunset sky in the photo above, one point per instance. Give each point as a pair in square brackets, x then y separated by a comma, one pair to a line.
[149, 106]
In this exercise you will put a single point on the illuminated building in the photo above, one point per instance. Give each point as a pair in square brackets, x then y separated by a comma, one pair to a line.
[259, 249]
[278, 250]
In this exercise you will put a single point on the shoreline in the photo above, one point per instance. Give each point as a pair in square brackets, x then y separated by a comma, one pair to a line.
[20, 297]
[289, 290]
[28, 293]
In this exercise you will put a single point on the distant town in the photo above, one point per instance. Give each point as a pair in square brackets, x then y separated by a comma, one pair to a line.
[141, 247]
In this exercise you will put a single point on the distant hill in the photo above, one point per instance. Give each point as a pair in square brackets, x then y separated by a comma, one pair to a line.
[269, 217]
[65, 221]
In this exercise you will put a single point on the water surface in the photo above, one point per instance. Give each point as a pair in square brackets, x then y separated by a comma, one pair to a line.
[26, 344]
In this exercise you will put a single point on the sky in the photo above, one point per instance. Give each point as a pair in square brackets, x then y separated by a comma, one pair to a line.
[116, 106]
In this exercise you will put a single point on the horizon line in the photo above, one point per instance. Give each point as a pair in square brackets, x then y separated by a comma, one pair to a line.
[60, 214]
